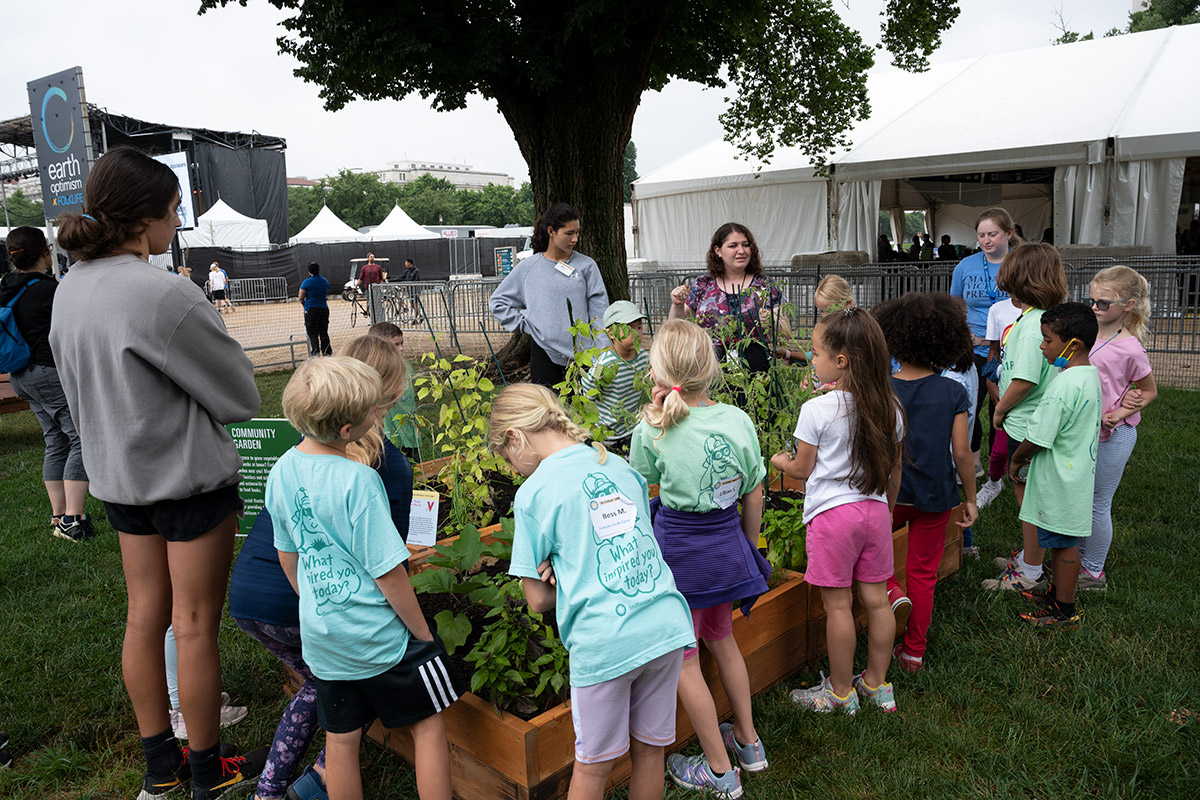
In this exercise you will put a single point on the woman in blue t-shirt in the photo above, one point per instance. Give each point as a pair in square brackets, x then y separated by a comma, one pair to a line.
[975, 282]
[263, 603]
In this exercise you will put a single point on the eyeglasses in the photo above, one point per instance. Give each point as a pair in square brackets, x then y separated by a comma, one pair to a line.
[1103, 305]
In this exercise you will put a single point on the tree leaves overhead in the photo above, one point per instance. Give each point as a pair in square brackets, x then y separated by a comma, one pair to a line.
[912, 30]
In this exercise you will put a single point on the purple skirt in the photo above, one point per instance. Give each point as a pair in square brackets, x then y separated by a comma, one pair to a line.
[709, 555]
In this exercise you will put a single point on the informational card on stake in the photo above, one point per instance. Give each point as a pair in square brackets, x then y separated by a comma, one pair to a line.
[260, 443]
[422, 519]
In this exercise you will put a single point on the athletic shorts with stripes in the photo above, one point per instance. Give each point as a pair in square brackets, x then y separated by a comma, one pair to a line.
[424, 683]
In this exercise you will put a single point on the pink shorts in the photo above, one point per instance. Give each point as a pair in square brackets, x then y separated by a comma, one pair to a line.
[848, 543]
[640, 703]
[713, 623]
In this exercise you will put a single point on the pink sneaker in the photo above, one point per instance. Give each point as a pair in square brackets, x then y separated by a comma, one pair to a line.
[901, 607]
[906, 662]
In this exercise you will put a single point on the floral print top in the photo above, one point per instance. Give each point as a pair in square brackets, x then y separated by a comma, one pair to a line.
[713, 306]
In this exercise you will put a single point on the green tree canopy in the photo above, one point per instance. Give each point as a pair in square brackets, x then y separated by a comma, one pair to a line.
[568, 77]
[629, 172]
[1157, 14]
[23, 211]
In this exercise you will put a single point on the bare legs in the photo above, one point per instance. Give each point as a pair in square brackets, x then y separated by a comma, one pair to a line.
[839, 633]
[1034, 554]
[647, 781]
[66, 497]
[343, 778]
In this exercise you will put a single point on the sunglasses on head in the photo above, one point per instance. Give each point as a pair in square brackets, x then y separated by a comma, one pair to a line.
[1103, 305]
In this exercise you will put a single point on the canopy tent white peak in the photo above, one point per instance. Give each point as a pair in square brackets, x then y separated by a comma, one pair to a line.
[327, 227]
[224, 226]
[399, 225]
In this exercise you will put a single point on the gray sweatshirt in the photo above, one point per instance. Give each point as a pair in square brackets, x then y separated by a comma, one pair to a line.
[151, 378]
[533, 299]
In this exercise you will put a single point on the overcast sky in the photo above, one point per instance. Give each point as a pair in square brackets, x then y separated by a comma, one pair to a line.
[158, 60]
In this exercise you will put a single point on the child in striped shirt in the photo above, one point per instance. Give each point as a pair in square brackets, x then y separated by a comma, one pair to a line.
[619, 372]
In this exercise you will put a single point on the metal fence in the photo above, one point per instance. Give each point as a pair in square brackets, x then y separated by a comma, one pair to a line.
[258, 290]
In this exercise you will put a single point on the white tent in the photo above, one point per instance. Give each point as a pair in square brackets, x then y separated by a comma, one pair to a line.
[1109, 119]
[223, 226]
[327, 227]
[398, 225]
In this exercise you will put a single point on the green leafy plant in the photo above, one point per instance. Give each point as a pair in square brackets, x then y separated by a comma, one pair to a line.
[784, 532]
[519, 659]
[583, 403]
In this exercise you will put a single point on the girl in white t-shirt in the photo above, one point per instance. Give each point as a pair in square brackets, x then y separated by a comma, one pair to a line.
[1000, 318]
[848, 445]
[1120, 298]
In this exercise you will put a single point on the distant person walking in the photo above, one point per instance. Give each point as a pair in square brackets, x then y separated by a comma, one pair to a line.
[411, 273]
[370, 273]
[152, 378]
[31, 290]
[218, 284]
[534, 298]
[314, 294]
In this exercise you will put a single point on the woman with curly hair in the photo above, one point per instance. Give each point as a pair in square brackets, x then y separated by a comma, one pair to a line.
[927, 333]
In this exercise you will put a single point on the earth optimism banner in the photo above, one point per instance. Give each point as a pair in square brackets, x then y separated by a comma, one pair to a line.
[58, 113]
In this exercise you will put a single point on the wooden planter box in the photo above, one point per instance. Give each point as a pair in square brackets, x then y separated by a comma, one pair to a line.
[498, 756]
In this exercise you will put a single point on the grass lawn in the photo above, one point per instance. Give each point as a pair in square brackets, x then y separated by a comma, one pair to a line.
[1112, 710]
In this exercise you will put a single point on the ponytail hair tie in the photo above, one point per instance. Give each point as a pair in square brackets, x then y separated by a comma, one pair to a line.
[849, 310]
[89, 216]
[676, 389]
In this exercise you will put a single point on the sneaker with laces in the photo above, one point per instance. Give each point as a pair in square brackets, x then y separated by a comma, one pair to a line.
[906, 662]
[170, 785]
[1041, 596]
[1091, 583]
[901, 607]
[1051, 617]
[988, 492]
[882, 695]
[693, 772]
[77, 530]
[1013, 579]
[751, 757]
[971, 551]
[1009, 561]
[238, 775]
[230, 715]
[822, 698]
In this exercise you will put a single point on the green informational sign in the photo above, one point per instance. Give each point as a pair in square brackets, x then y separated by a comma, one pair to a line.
[260, 443]
[506, 257]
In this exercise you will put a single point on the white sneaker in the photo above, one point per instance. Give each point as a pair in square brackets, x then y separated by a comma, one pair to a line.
[230, 715]
[989, 492]
[1014, 580]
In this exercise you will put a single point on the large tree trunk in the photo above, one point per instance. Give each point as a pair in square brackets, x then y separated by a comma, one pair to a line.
[576, 155]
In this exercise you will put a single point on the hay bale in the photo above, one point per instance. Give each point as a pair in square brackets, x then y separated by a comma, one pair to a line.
[848, 258]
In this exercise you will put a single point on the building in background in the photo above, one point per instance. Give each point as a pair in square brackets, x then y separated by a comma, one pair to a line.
[463, 176]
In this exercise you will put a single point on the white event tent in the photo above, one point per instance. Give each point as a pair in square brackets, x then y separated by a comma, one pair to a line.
[398, 225]
[224, 226]
[1089, 138]
[327, 227]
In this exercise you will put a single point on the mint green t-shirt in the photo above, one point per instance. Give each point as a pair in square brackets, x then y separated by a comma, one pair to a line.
[1062, 477]
[1023, 360]
[616, 601]
[697, 463]
[403, 434]
[334, 513]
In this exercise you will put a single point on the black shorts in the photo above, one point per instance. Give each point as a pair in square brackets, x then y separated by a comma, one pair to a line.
[424, 683]
[218, 294]
[176, 520]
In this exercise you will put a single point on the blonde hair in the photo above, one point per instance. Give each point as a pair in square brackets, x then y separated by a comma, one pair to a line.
[682, 357]
[382, 356]
[328, 392]
[833, 293]
[1129, 285]
[531, 408]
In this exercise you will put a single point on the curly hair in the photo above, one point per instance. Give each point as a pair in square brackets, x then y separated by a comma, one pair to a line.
[928, 330]
[716, 267]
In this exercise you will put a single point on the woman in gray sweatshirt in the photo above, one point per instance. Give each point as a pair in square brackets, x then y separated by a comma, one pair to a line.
[152, 378]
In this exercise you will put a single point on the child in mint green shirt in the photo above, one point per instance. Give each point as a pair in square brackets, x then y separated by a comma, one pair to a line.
[1060, 451]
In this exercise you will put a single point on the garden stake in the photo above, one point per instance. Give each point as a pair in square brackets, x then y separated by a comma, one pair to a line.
[649, 322]
[495, 360]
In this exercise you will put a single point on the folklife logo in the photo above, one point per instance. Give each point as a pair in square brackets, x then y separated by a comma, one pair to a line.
[59, 93]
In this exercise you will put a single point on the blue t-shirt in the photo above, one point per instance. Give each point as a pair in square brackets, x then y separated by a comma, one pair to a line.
[259, 590]
[927, 469]
[616, 602]
[974, 280]
[333, 512]
[317, 290]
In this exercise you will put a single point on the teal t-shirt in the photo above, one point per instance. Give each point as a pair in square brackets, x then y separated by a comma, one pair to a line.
[616, 601]
[1062, 477]
[698, 463]
[403, 434]
[334, 513]
[1023, 359]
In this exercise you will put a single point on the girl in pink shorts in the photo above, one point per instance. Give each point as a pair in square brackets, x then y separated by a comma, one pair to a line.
[848, 453]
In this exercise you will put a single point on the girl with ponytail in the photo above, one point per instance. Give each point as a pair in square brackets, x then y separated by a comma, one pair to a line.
[705, 457]
[583, 547]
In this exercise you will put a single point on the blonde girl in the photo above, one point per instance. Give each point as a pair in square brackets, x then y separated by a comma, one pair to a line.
[705, 457]
[832, 294]
[584, 548]
[1120, 297]
[848, 453]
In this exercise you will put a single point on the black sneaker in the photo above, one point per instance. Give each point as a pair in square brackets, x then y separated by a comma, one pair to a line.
[1040, 597]
[80, 530]
[238, 775]
[173, 784]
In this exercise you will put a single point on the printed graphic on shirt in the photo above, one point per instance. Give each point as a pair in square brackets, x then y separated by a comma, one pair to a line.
[719, 465]
[332, 579]
[627, 563]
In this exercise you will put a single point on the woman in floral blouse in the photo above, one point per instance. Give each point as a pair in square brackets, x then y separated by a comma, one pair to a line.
[735, 301]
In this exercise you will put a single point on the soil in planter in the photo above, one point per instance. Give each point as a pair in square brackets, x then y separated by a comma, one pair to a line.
[503, 490]
[775, 500]
[431, 604]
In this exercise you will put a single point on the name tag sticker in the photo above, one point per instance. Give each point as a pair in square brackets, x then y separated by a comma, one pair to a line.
[564, 268]
[727, 492]
[612, 515]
